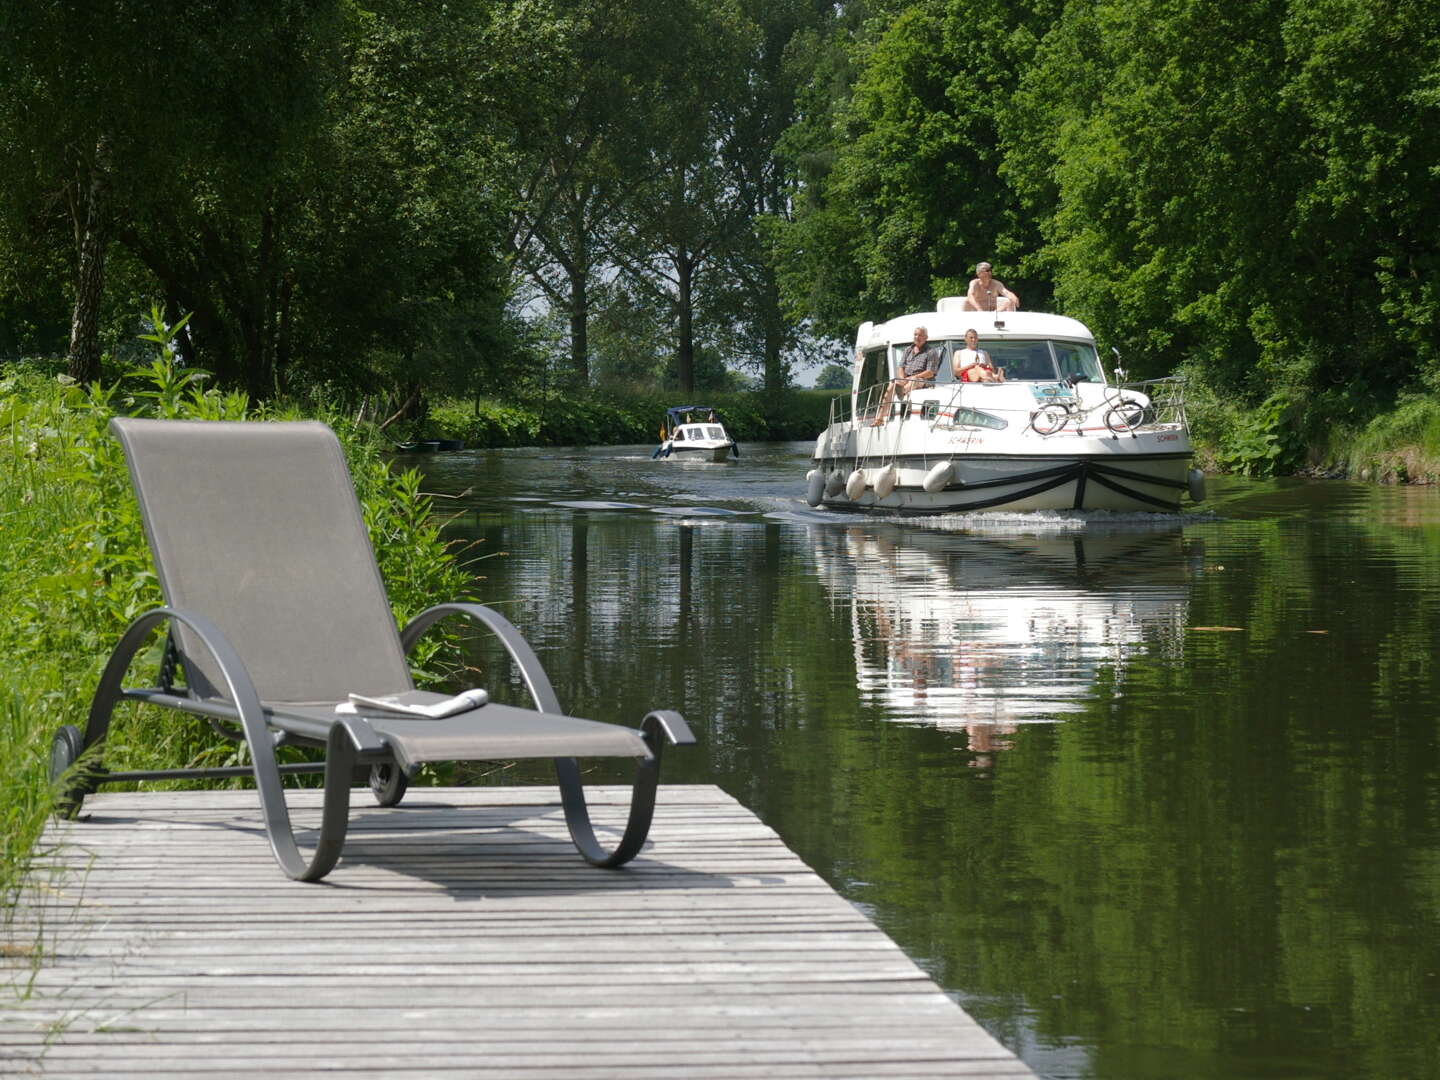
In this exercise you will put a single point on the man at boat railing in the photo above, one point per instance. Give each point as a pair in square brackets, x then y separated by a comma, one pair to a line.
[918, 366]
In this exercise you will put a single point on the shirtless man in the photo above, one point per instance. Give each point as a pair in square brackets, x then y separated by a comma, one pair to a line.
[973, 364]
[918, 366]
[989, 294]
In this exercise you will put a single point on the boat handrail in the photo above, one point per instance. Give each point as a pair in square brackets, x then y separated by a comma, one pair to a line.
[1165, 406]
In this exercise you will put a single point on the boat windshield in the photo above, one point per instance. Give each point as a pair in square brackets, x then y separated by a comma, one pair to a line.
[1021, 360]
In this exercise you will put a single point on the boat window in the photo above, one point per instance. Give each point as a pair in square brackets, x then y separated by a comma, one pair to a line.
[714, 433]
[873, 372]
[1075, 358]
[680, 435]
[975, 418]
[1022, 360]
[947, 350]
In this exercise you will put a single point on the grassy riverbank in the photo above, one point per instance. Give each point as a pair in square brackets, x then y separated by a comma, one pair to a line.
[75, 570]
[1287, 436]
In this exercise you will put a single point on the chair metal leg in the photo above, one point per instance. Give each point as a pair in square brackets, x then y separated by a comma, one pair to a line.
[658, 728]
[348, 736]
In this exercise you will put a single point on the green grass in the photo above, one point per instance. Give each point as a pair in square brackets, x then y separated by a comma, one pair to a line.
[1285, 435]
[1401, 447]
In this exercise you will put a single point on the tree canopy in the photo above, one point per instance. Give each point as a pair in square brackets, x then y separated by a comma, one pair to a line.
[379, 197]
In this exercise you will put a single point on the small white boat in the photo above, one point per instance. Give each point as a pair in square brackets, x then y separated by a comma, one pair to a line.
[696, 433]
[1057, 433]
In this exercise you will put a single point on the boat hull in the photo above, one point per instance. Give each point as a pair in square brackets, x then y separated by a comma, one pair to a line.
[1144, 471]
[698, 452]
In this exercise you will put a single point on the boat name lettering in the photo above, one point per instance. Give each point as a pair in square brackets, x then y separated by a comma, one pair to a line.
[1166, 438]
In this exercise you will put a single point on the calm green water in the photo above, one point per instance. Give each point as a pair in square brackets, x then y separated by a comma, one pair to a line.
[1150, 796]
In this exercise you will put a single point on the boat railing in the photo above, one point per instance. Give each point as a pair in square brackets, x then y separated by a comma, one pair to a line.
[1167, 398]
[869, 405]
[1118, 408]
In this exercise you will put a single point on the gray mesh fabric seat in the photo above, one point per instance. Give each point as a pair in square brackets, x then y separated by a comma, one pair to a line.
[276, 613]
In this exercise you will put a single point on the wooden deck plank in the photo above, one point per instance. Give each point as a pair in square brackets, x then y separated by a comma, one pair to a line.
[461, 935]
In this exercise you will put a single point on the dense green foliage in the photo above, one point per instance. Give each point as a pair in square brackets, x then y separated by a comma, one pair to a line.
[393, 201]
[75, 569]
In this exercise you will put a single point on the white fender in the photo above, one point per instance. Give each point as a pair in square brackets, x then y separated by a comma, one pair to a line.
[855, 485]
[938, 478]
[814, 487]
[885, 482]
[1196, 481]
[834, 483]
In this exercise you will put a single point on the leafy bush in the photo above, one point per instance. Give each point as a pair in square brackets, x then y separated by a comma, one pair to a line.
[1264, 441]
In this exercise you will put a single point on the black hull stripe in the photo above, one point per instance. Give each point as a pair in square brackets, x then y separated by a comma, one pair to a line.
[1045, 480]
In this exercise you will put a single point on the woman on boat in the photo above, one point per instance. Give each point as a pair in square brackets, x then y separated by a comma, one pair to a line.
[973, 364]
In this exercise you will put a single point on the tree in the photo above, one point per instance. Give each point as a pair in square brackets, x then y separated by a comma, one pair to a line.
[833, 377]
[681, 221]
[582, 152]
[754, 121]
[899, 150]
[322, 185]
[114, 112]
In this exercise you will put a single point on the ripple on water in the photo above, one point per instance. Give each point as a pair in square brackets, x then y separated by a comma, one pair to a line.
[695, 511]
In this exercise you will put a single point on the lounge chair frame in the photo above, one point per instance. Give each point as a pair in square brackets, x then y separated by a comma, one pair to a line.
[351, 742]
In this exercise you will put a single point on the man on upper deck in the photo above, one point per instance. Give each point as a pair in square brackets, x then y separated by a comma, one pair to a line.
[987, 293]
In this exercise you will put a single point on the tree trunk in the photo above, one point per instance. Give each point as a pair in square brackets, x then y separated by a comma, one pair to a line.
[282, 334]
[579, 328]
[685, 353]
[84, 356]
[258, 324]
[773, 327]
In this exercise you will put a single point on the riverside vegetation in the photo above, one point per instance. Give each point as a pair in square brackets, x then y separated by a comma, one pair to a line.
[611, 418]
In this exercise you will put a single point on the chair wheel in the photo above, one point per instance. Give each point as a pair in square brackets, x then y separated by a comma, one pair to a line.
[65, 750]
[388, 784]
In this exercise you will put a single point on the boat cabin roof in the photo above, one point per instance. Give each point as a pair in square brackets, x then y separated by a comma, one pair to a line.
[680, 414]
[949, 321]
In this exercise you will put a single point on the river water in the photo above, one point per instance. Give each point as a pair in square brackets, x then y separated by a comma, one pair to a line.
[1151, 796]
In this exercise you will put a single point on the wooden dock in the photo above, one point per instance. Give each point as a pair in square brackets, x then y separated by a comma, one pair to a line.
[460, 935]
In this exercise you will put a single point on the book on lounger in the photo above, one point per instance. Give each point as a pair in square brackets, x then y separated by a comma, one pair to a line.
[415, 703]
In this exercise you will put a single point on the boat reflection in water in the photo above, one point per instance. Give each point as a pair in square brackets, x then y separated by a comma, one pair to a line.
[986, 630]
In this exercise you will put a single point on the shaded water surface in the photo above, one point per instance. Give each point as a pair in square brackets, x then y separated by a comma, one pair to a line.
[1151, 796]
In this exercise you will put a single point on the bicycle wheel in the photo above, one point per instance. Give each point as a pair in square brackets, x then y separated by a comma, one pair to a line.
[1048, 419]
[1126, 416]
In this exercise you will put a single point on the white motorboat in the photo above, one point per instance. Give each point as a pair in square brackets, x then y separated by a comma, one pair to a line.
[1057, 433]
[695, 432]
